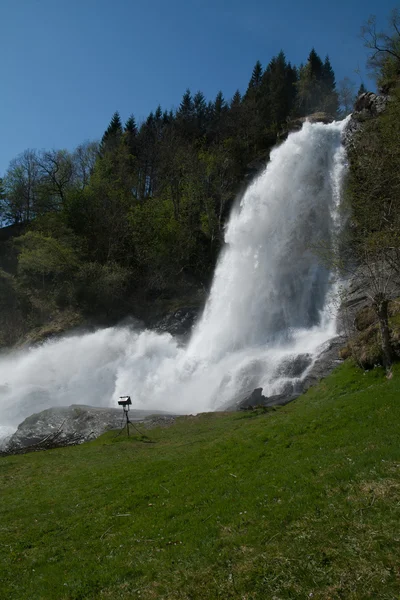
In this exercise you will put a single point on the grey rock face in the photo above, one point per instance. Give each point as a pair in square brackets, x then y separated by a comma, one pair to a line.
[294, 366]
[324, 364]
[179, 322]
[371, 104]
[67, 425]
[367, 106]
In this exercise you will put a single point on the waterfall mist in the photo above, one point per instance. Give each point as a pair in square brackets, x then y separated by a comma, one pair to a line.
[270, 300]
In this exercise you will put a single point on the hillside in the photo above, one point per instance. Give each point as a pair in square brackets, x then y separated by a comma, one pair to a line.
[301, 502]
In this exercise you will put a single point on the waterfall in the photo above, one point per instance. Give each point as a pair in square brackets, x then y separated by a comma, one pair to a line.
[270, 301]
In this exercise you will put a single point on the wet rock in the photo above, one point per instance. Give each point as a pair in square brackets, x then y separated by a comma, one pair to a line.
[178, 322]
[67, 425]
[325, 363]
[297, 124]
[256, 398]
[293, 366]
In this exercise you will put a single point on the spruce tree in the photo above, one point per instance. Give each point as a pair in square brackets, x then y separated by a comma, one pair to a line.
[131, 133]
[186, 106]
[112, 135]
[315, 64]
[130, 126]
[200, 112]
[256, 77]
[330, 99]
[328, 76]
[236, 99]
[158, 113]
[220, 106]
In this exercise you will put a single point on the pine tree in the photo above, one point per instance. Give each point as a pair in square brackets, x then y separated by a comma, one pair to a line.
[256, 78]
[316, 65]
[112, 135]
[130, 126]
[330, 100]
[236, 99]
[328, 76]
[220, 106]
[166, 118]
[186, 106]
[158, 114]
[316, 86]
[131, 133]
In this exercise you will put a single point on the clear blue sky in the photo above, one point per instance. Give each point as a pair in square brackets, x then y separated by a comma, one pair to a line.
[67, 65]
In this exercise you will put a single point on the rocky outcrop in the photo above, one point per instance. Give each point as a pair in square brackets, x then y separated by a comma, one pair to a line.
[179, 322]
[370, 104]
[69, 425]
[328, 360]
[367, 106]
[293, 366]
[301, 373]
[297, 124]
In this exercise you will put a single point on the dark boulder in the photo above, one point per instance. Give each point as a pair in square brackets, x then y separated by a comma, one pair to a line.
[256, 398]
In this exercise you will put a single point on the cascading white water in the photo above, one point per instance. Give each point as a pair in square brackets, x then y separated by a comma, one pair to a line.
[270, 301]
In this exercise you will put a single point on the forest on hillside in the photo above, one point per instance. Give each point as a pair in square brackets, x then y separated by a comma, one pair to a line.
[116, 225]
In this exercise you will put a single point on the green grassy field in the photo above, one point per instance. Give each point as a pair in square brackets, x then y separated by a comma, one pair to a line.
[301, 502]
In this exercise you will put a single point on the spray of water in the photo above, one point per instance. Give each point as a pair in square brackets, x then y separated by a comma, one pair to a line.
[270, 301]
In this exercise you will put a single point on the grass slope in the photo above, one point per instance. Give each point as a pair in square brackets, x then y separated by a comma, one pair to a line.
[301, 502]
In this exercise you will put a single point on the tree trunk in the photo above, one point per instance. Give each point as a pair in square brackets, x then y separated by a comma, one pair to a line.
[381, 309]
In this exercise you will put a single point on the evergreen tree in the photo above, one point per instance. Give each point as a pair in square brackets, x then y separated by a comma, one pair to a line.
[131, 133]
[315, 65]
[186, 106]
[316, 86]
[220, 106]
[158, 114]
[236, 99]
[328, 76]
[112, 135]
[200, 112]
[330, 100]
[130, 126]
[166, 118]
[256, 77]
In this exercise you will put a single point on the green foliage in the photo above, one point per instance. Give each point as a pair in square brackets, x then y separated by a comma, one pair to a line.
[374, 180]
[316, 88]
[15, 310]
[44, 257]
[103, 289]
[298, 502]
[384, 50]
